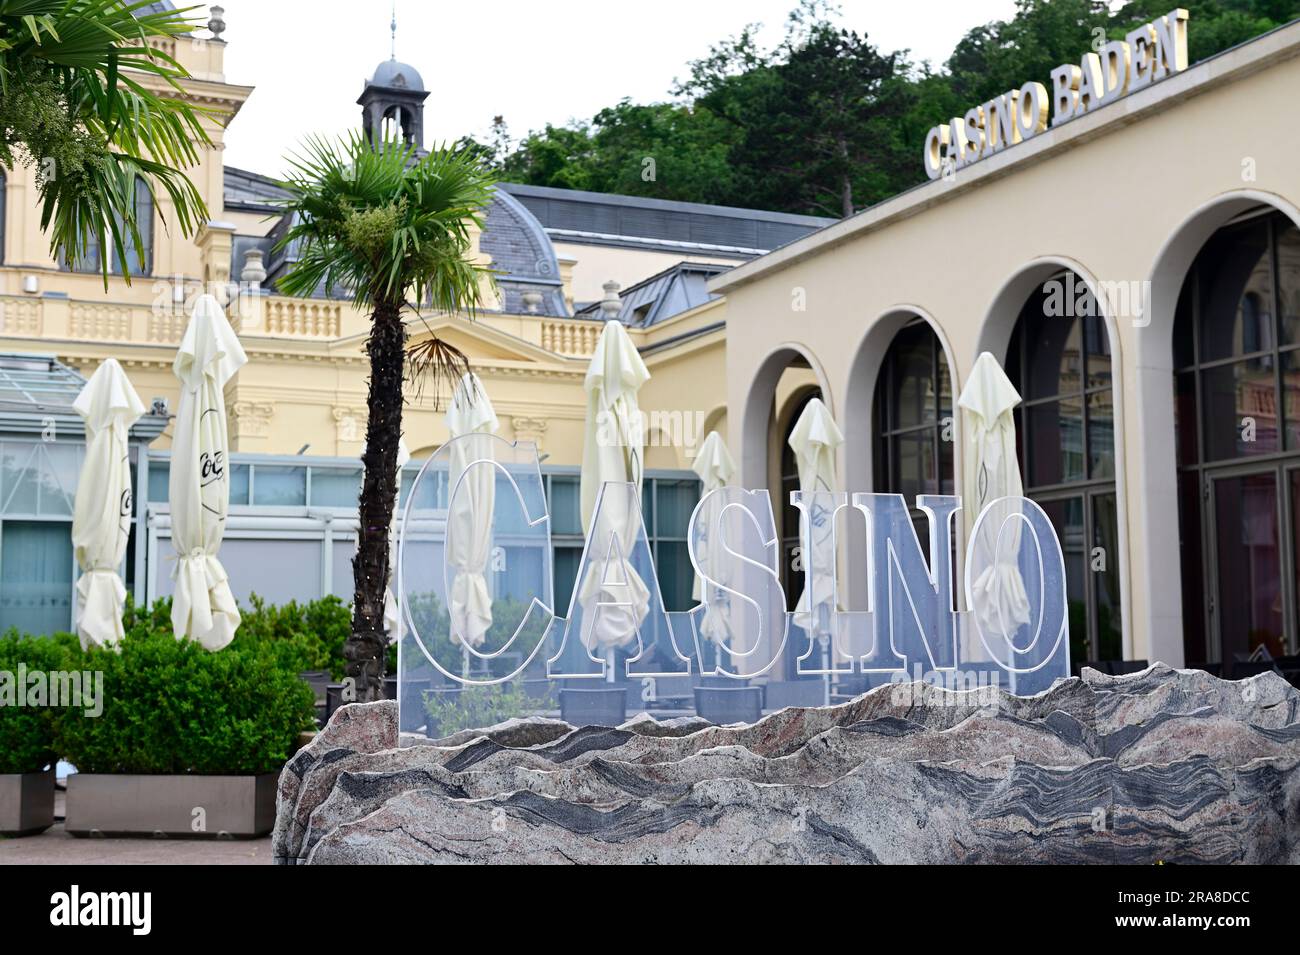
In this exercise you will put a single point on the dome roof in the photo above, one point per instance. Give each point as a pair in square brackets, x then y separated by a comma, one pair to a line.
[397, 75]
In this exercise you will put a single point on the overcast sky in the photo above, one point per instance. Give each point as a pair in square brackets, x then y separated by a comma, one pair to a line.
[528, 61]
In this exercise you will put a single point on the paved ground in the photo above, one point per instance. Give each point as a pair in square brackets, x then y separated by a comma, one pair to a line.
[56, 847]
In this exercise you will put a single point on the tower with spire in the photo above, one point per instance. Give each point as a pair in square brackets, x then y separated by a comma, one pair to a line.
[395, 93]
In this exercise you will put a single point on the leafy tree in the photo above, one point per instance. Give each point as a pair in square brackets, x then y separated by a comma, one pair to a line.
[79, 100]
[385, 224]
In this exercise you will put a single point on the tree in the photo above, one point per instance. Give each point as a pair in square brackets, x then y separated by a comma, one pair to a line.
[385, 224]
[78, 101]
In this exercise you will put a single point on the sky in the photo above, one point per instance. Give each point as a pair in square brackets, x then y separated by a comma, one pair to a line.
[531, 62]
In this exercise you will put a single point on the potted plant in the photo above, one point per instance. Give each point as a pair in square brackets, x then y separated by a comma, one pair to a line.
[27, 753]
[190, 742]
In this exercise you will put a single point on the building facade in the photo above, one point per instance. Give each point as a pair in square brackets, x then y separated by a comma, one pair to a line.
[1136, 270]
[567, 261]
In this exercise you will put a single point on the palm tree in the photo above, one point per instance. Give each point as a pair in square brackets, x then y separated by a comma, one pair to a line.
[385, 223]
[79, 101]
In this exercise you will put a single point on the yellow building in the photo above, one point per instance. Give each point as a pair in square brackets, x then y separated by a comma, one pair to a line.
[568, 261]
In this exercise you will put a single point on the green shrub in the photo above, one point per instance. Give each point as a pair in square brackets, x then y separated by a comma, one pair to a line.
[27, 732]
[170, 706]
[476, 707]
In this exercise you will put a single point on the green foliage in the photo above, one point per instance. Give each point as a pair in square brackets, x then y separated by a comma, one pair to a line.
[75, 103]
[381, 222]
[827, 124]
[476, 707]
[170, 706]
[433, 625]
[27, 732]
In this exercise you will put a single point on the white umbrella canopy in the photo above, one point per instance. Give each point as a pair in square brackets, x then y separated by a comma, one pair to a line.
[203, 607]
[469, 539]
[612, 454]
[392, 618]
[101, 517]
[815, 440]
[990, 470]
[714, 465]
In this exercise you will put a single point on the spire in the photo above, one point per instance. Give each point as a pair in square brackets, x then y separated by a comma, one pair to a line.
[392, 26]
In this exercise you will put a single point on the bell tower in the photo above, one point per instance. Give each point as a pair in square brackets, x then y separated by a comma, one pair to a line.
[392, 101]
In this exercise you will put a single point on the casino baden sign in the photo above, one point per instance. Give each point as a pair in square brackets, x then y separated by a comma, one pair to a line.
[1151, 52]
[475, 581]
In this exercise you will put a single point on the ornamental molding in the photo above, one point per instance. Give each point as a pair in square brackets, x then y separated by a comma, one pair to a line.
[251, 419]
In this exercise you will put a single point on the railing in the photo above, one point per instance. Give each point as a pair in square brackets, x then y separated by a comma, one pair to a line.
[572, 337]
[300, 318]
[20, 316]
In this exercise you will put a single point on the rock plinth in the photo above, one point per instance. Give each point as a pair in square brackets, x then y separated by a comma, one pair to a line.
[1164, 765]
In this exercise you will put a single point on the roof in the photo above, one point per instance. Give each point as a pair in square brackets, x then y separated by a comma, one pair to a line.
[251, 191]
[573, 215]
[519, 248]
[397, 75]
[35, 388]
[676, 289]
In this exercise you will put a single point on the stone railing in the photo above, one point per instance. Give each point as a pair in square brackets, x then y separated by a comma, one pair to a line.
[298, 318]
[21, 316]
[572, 337]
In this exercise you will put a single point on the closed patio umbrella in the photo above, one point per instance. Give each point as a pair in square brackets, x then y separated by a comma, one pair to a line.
[203, 607]
[469, 539]
[990, 471]
[612, 453]
[101, 517]
[716, 469]
[815, 439]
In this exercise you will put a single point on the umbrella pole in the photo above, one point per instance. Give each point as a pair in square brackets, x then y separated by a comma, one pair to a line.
[609, 665]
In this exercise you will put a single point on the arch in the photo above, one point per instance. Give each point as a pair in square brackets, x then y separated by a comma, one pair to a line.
[860, 439]
[995, 336]
[1154, 551]
[756, 417]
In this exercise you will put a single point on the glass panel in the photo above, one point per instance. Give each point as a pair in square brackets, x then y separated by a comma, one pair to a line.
[945, 386]
[341, 584]
[566, 573]
[1101, 436]
[20, 481]
[1240, 409]
[1104, 564]
[913, 464]
[331, 487]
[36, 576]
[1055, 442]
[280, 486]
[239, 484]
[1193, 569]
[1236, 290]
[1054, 357]
[1291, 398]
[675, 500]
[1185, 420]
[1097, 343]
[60, 467]
[1067, 519]
[1184, 337]
[913, 401]
[676, 575]
[1288, 267]
[566, 505]
[276, 570]
[159, 476]
[1248, 562]
[945, 464]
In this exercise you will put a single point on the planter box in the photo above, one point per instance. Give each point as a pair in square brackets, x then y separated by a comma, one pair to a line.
[723, 705]
[128, 805]
[26, 803]
[606, 706]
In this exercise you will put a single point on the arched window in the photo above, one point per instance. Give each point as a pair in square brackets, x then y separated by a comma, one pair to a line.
[914, 426]
[141, 260]
[792, 575]
[1237, 401]
[1059, 360]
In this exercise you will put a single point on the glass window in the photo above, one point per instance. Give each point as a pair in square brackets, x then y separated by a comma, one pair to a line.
[275, 486]
[1237, 393]
[914, 416]
[141, 259]
[1059, 360]
[334, 487]
[36, 576]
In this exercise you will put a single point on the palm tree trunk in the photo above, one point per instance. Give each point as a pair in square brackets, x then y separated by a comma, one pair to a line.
[365, 650]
